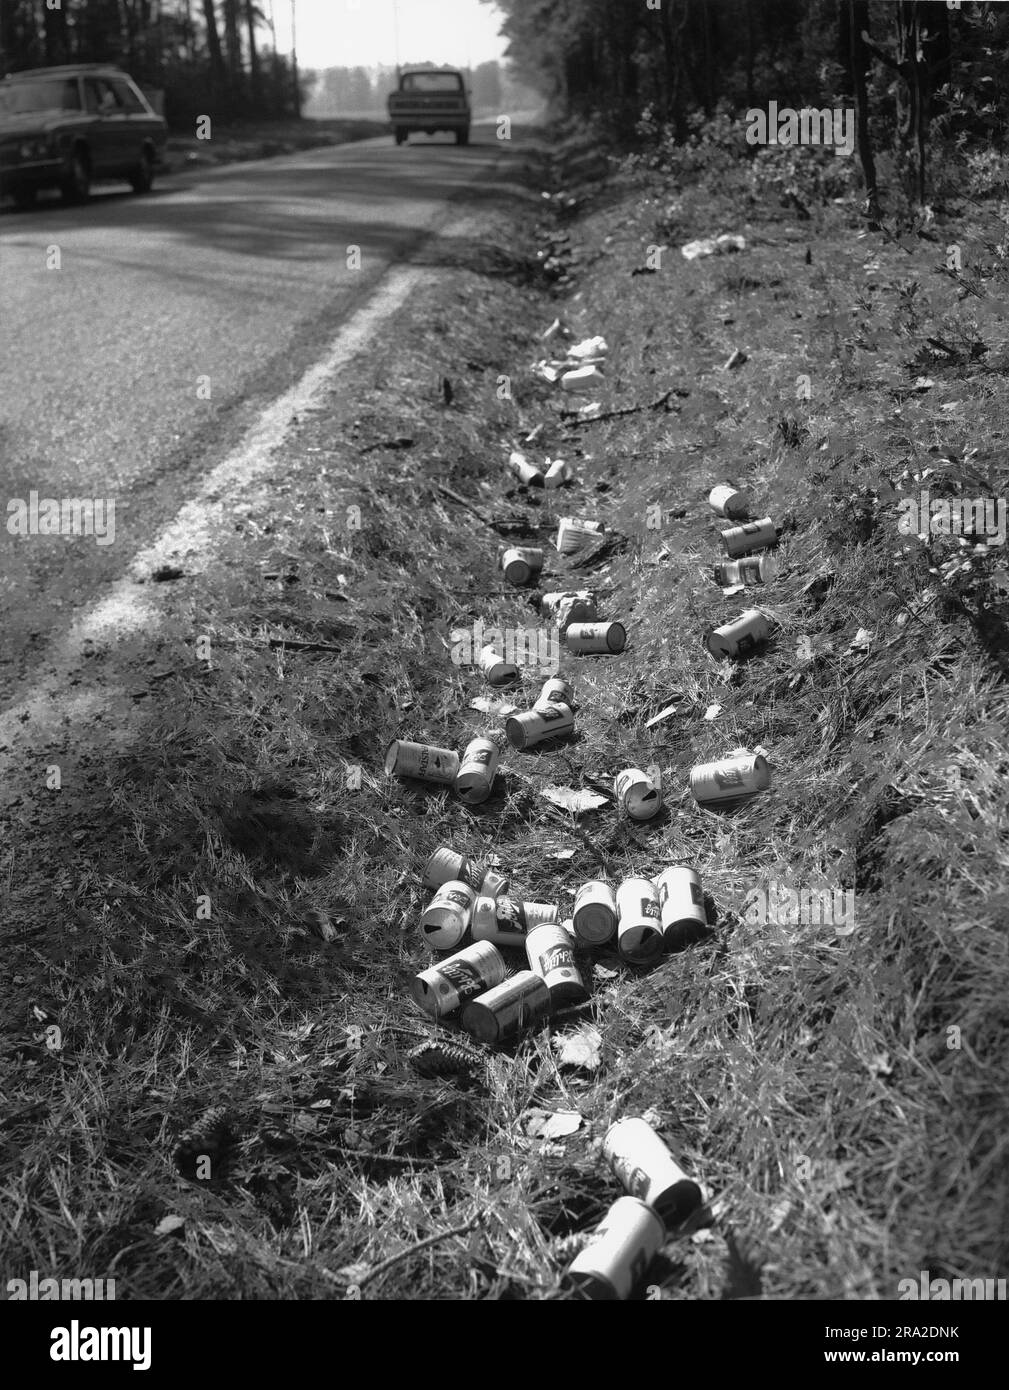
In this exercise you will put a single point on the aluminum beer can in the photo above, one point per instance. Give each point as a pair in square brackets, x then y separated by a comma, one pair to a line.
[539, 914]
[507, 1009]
[573, 533]
[551, 956]
[681, 906]
[556, 691]
[446, 917]
[443, 866]
[421, 760]
[639, 931]
[559, 472]
[596, 637]
[495, 668]
[446, 986]
[751, 569]
[526, 472]
[618, 1252]
[740, 637]
[537, 725]
[740, 540]
[492, 882]
[729, 501]
[595, 912]
[648, 1171]
[498, 920]
[731, 779]
[475, 777]
[635, 791]
[521, 563]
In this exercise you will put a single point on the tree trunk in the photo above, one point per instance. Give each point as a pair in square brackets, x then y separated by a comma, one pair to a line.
[855, 21]
[217, 69]
[254, 82]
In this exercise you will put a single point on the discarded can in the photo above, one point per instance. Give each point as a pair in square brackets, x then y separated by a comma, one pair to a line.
[537, 725]
[550, 953]
[729, 501]
[526, 472]
[556, 691]
[445, 919]
[559, 472]
[681, 906]
[446, 986]
[507, 1009]
[493, 883]
[639, 932]
[573, 533]
[499, 920]
[583, 379]
[618, 1252]
[752, 569]
[495, 668]
[647, 1169]
[567, 608]
[596, 637]
[740, 540]
[443, 866]
[740, 637]
[475, 777]
[422, 761]
[730, 779]
[594, 916]
[539, 914]
[637, 794]
[521, 563]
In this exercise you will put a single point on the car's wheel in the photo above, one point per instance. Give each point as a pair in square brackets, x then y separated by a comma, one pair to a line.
[24, 198]
[143, 175]
[400, 134]
[462, 137]
[76, 184]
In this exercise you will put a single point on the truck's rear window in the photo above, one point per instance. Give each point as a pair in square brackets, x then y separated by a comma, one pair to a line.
[431, 82]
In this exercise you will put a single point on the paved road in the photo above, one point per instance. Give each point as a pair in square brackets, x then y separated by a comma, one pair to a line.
[238, 275]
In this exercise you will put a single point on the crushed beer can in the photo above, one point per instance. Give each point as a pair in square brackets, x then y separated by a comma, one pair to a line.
[635, 791]
[729, 501]
[740, 637]
[422, 761]
[731, 779]
[586, 638]
[558, 472]
[446, 917]
[575, 606]
[681, 906]
[444, 865]
[507, 1009]
[573, 533]
[647, 1169]
[536, 726]
[550, 952]
[594, 915]
[639, 930]
[445, 987]
[618, 1253]
[583, 379]
[755, 535]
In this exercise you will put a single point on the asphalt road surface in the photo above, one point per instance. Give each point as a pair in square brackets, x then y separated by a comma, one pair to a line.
[234, 278]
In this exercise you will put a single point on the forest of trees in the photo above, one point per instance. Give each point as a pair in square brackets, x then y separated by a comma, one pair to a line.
[899, 63]
[205, 55]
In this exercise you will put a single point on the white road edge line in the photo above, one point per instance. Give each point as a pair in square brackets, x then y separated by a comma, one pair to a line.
[129, 610]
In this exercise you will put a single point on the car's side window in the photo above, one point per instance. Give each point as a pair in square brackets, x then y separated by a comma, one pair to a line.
[93, 95]
[71, 95]
[128, 98]
[101, 99]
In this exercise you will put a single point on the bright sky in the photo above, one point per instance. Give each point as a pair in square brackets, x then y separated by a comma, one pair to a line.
[361, 33]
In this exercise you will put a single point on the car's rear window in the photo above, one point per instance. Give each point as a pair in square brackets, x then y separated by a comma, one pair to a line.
[23, 98]
[431, 82]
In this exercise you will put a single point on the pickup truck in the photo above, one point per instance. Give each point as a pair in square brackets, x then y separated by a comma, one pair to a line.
[430, 99]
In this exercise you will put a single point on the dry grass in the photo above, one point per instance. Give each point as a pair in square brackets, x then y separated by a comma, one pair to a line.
[806, 1077]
